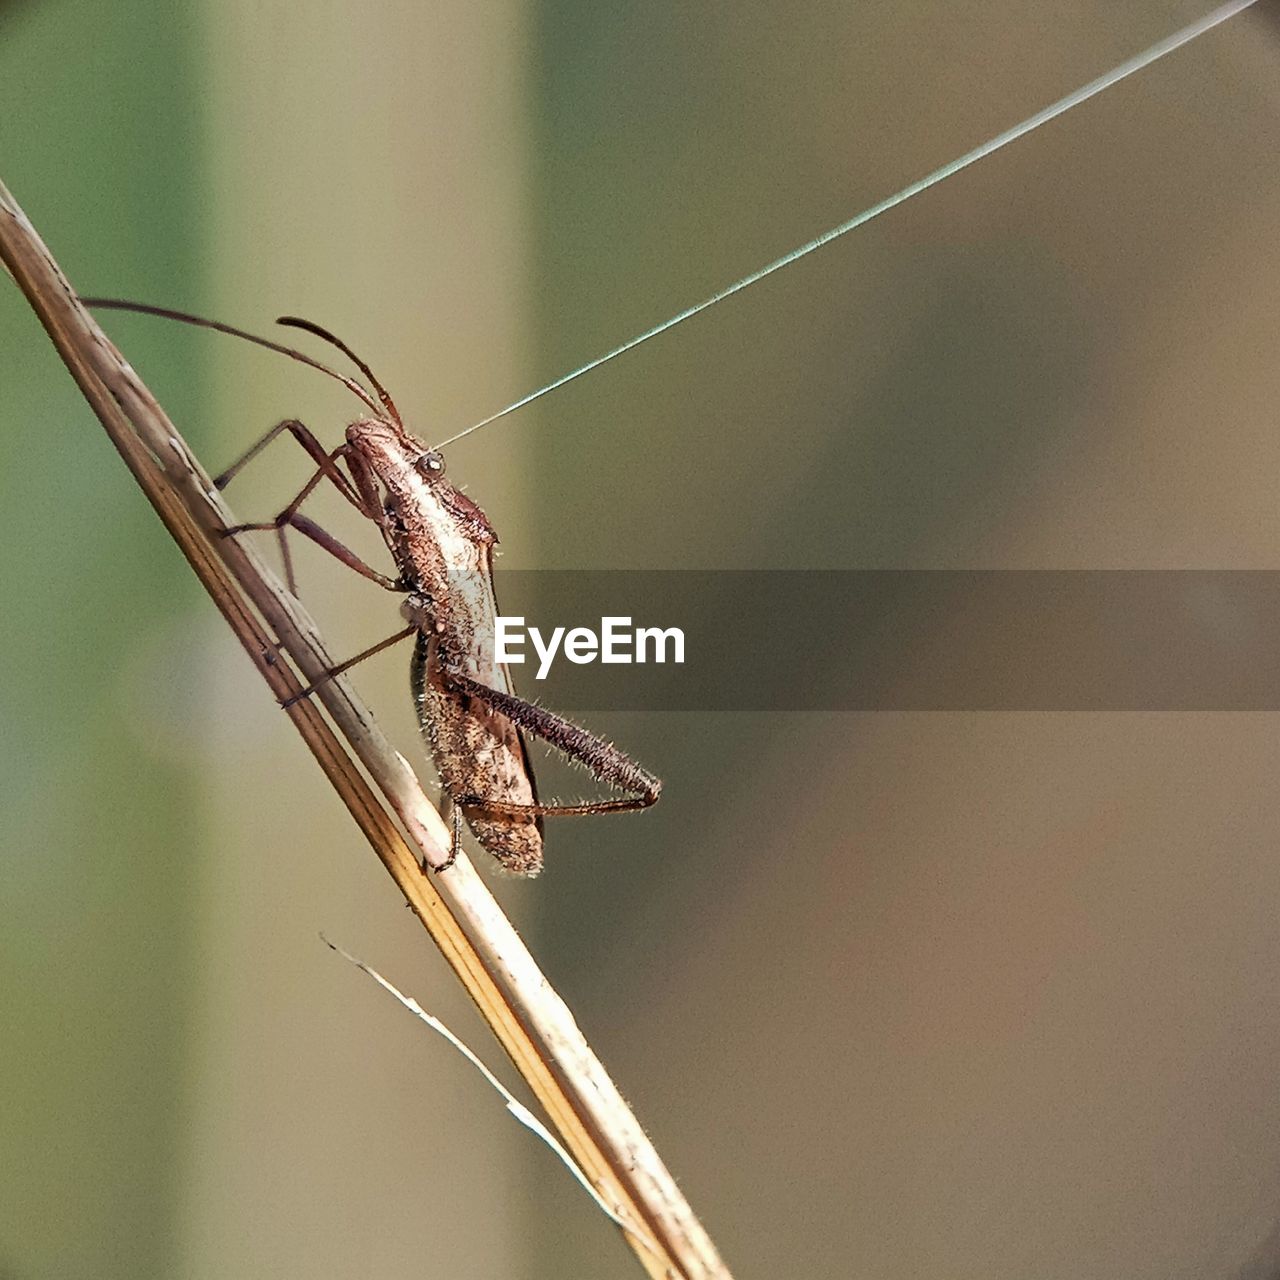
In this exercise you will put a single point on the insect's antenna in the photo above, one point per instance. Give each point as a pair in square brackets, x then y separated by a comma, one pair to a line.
[309, 326]
[1127, 68]
[183, 317]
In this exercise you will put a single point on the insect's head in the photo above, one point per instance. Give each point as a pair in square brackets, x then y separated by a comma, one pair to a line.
[430, 464]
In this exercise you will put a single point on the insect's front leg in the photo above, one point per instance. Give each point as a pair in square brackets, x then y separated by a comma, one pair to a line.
[356, 489]
[310, 445]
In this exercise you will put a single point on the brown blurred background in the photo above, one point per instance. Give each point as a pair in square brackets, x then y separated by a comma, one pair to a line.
[958, 995]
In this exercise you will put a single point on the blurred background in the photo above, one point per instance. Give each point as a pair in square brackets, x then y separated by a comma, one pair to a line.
[966, 995]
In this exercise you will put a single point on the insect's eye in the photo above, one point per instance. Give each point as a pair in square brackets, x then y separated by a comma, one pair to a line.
[430, 464]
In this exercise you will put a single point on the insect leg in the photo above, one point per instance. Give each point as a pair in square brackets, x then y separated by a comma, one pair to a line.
[452, 814]
[354, 488]
[306, 438]
[350, 662]
[323, 538]
[602, 758]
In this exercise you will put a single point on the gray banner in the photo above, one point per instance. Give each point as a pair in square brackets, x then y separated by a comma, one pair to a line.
[1089, 640]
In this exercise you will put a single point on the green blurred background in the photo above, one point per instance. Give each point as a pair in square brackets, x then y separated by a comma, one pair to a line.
[958, 995]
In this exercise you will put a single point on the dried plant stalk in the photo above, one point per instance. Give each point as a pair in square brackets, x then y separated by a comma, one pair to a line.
[530, 1020]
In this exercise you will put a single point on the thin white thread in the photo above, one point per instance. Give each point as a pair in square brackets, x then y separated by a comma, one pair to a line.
[1137, 63]
[516, 1108]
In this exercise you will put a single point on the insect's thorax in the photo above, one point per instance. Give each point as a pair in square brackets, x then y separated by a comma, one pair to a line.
[441, 541]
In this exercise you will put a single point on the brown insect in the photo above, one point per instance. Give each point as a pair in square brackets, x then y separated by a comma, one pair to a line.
[442, 544]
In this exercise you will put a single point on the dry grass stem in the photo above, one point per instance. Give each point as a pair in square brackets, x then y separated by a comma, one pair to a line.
[532, 1023]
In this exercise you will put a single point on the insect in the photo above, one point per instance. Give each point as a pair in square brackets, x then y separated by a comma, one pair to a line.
[442, 545]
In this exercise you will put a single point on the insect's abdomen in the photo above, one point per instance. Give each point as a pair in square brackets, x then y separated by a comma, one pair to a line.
[478, 752]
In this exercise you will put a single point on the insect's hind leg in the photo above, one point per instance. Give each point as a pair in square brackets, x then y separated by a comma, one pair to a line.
[601, 757]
